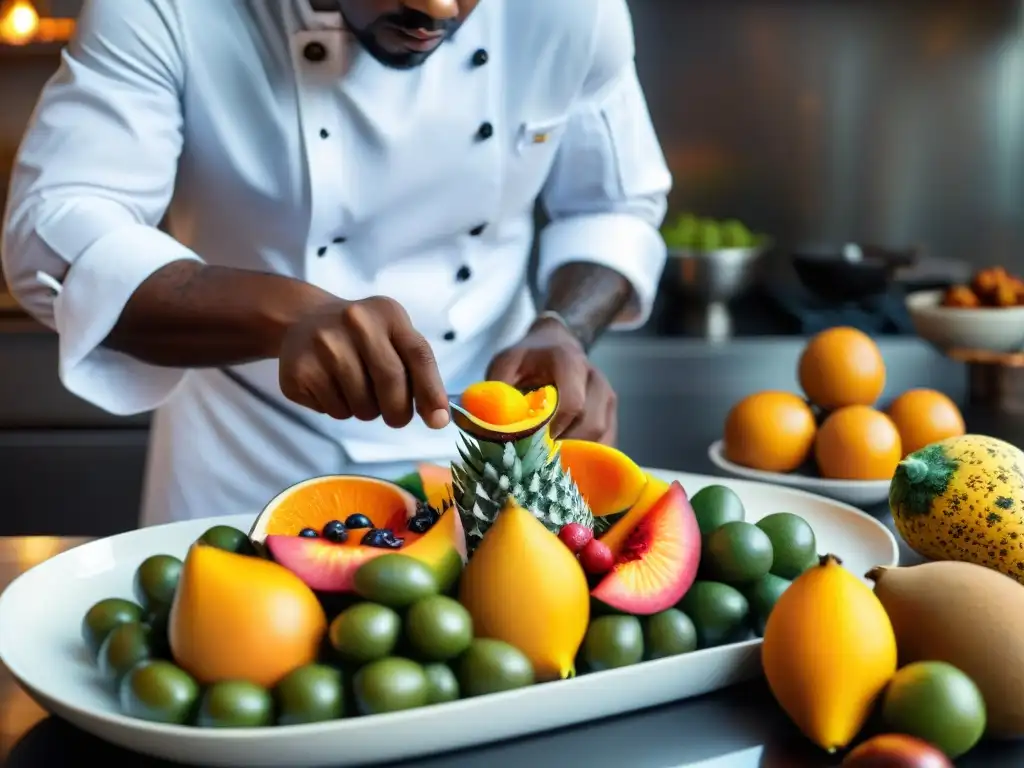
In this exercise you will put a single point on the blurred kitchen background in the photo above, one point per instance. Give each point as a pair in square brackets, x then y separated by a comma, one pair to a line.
[897, 125]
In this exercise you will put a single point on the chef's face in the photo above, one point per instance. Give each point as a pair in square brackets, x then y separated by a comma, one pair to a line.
[403, 33]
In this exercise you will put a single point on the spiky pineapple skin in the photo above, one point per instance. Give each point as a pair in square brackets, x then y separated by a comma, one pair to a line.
[528, 471]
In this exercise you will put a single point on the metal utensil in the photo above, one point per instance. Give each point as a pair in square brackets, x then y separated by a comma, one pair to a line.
[455, 404]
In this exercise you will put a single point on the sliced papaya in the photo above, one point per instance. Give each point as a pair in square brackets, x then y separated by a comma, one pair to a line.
[609, 480]
[496, 412]
[316, 502]
[328, 566]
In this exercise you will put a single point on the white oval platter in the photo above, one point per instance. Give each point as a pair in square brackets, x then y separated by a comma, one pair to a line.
[857, 492]
[41, 645]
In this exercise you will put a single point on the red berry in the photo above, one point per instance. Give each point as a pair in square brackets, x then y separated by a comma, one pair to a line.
[575, 536]
[596, 558]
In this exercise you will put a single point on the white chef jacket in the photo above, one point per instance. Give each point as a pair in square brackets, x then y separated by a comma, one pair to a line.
[272, 141]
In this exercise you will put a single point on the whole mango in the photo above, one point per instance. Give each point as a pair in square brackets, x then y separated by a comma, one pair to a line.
[242, 618]
[829, 651]
[523, 586]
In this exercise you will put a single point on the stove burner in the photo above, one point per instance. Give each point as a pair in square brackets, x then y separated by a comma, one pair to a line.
[885, 314]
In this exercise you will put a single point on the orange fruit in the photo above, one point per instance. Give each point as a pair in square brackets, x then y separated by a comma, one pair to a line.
[242, 618]
[923, 417]
[841, 367]
[770, 431]
[858, 443]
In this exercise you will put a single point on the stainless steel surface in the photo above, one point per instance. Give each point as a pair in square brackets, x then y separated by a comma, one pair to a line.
[893, 122]
[710, 280]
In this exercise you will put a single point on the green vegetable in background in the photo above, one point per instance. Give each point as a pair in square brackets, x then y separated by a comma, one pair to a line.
[703, 234]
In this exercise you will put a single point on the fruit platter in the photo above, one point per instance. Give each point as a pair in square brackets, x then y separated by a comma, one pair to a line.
[832, 437]
[531, 585]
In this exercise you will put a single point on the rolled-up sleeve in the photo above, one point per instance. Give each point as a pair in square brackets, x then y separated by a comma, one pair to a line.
[606, 194]
[91, 182]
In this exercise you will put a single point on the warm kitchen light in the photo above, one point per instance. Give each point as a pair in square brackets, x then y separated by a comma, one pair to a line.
[19, 22]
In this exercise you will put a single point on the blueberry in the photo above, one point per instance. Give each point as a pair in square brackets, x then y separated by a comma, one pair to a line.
[373, 538]
[336, 532]
[382, 538]
[309, 533]
[425, 510]
[353, 522]
[420, 524]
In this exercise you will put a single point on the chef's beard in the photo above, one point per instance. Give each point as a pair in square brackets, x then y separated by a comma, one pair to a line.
[411, 19]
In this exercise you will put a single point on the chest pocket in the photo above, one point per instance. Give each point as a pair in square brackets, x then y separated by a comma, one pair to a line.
[533, 155]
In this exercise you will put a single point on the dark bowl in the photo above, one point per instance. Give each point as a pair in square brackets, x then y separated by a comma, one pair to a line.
[828, 274]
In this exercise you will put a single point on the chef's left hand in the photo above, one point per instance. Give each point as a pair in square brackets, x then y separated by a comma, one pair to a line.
[551, 354]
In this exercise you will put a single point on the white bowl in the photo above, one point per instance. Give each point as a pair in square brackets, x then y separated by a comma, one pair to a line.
[984, 329]
[859, 493]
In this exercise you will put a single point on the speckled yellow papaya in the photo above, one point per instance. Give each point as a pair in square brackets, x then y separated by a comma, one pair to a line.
[963, 499]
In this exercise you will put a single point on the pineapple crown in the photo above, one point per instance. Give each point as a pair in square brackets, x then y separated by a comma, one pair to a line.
[526, 470]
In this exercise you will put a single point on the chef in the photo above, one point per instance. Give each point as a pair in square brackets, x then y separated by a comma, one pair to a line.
[347, 191]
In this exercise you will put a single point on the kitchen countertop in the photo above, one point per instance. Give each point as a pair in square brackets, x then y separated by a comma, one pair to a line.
[736, 728]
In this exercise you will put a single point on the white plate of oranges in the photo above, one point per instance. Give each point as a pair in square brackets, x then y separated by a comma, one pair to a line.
[832, 439]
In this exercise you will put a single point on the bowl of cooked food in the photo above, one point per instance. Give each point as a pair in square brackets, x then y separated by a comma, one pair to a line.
[985, 316]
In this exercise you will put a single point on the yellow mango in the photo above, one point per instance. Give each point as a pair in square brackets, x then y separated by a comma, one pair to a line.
[829, 651]
[242, 618]
[523, 586]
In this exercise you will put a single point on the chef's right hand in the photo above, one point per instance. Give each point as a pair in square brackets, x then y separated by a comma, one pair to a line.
[363, 359]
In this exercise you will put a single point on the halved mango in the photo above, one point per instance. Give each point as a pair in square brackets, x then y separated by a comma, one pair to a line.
[617, 535]
[658, 560]
[496, 412]
[609, 480]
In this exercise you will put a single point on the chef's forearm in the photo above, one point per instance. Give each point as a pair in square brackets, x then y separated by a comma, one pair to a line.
[588, 297]
[191, 315]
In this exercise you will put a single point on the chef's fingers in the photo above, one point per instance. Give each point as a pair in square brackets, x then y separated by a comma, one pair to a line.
[427, 388]
[570, 374]
[337, 349]
[308, 383]
[428, 391]
[505, 367]
[390, 379]
[611, 432]
[592, 421]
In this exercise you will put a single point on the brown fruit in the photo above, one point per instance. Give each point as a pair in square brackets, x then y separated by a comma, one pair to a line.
[968, 616]
[894, 750]
[840, 367]
[923, 417]
[770, 431]
[858, 443]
